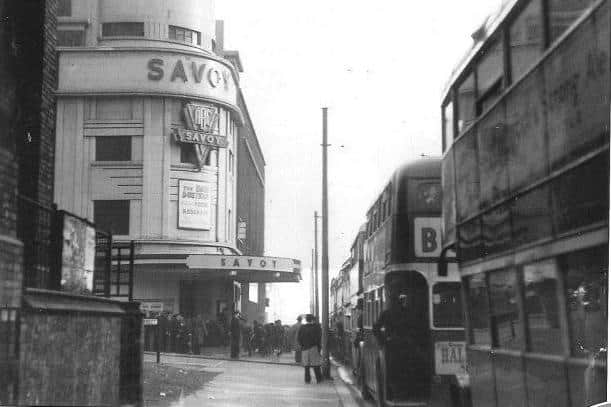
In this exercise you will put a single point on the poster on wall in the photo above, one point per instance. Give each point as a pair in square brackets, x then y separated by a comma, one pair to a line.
[194, 205]
[78, 255]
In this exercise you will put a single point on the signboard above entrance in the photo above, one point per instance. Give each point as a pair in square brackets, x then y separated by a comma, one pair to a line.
[217, 262]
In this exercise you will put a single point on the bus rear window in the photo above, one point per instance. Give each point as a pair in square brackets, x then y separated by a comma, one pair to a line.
[425, 196]
[447, 305]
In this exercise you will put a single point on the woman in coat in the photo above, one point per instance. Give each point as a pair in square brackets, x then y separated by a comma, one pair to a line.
[309, 339]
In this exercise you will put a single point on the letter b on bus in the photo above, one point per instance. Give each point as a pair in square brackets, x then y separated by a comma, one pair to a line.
[427, 237]
[429, 242]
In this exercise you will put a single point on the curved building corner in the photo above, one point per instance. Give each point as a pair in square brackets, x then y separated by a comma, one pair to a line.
[149, 124]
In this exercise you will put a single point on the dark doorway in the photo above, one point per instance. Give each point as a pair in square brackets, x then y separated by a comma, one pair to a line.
[408, 360]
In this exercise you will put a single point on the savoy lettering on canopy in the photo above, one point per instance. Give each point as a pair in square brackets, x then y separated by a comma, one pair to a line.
[219, 262]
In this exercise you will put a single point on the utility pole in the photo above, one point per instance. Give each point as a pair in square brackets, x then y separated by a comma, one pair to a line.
[316, 297]
[325, 253]
[312, 283]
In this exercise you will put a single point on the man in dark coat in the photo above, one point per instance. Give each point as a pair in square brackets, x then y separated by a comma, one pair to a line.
[401, 330]
[235, 331]
[309, 337]
[293, 332]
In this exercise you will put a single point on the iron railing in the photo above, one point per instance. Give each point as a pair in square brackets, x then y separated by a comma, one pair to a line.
[38, 230]
[41, 229]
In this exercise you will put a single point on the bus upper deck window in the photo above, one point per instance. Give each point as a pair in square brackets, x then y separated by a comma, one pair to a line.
[428, 196]
[466, 103]
[526, 39]
[490, 76]
[563, 13]
[448, 125]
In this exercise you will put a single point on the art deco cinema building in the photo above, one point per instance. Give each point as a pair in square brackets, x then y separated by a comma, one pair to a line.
[150, 119]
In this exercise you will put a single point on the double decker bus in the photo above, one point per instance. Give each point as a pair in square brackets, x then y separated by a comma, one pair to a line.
[401, 249]
[525, 175]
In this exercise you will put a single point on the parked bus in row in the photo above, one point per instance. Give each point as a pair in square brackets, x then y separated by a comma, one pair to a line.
[414, 355]
[525, 176]
[346, 295]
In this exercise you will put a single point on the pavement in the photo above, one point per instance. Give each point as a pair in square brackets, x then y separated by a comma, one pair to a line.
[256, 382]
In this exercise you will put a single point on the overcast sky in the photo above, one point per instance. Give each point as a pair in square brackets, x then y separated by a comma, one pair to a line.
[380, 67]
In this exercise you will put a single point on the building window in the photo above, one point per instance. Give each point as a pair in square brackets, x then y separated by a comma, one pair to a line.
[123, 30]
[184, 35]
[64, 8]
[253, 292]
[113, 148]
[70, 38]
[188, 154]
[112, 216]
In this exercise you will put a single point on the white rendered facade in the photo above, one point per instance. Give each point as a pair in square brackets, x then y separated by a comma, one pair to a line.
[135, 66]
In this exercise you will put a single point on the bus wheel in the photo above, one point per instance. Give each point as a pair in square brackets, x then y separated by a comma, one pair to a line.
[365, 395]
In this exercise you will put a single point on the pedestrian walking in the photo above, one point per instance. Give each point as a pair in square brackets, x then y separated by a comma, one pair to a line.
[294, 343]
[278, 333]
[259, 337]
[309, 337]
[199, 334]
[235, 333]
[163, 331]
[269, 338]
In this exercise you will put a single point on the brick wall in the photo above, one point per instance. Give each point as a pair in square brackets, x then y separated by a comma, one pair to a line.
[48, 105]
[27, 106]
[36, 82]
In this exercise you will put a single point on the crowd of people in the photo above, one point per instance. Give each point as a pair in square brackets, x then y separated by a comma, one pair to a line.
[267, 339]
[190, 335]
[183, 334]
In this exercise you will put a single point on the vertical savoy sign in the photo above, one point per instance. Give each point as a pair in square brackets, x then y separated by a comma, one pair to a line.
[194, 206]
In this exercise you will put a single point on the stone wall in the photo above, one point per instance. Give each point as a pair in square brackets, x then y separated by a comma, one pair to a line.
[70, 350]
